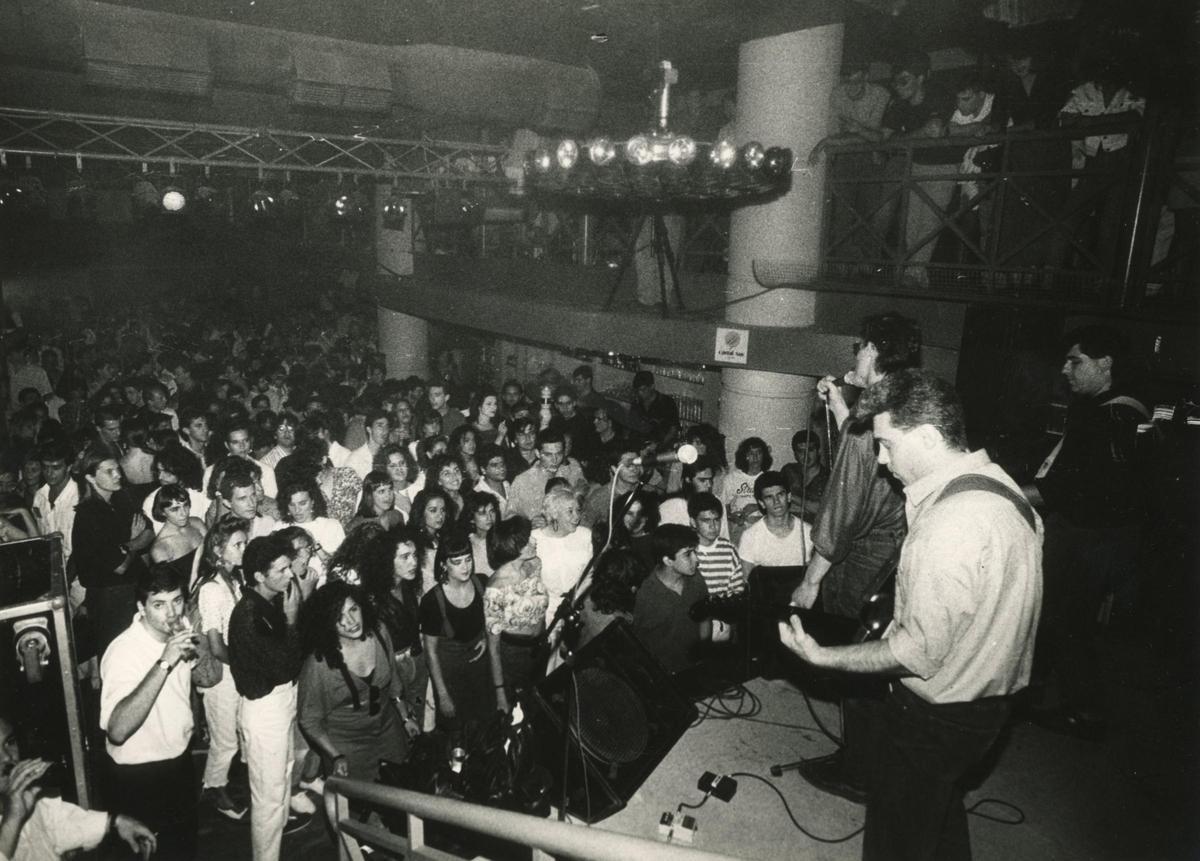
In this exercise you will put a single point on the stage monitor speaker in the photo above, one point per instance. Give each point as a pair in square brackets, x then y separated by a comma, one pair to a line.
[624, 714]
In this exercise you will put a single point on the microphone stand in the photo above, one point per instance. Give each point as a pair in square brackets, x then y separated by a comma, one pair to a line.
[567, 607]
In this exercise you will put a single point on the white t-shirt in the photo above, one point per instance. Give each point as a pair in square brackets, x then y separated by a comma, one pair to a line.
[168, 727]
[57, 827]
[760, 546]
[563, 561]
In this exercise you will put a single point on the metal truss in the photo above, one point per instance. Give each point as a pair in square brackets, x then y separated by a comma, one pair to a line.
[87, 137]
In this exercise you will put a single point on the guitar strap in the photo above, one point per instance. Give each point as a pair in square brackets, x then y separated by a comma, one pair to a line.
[969, 481]
[975, 481]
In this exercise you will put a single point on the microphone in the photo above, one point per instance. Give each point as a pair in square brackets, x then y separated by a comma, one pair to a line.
[686, 453]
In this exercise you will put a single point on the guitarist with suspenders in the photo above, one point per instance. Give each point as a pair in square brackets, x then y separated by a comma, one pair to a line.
[1090, 490]
[968, 598]
[856, 533]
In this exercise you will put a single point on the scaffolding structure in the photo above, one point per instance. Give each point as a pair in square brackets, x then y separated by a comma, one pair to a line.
[152, 143]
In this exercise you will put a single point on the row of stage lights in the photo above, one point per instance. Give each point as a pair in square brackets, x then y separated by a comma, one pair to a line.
[343, 205]
[659, 165]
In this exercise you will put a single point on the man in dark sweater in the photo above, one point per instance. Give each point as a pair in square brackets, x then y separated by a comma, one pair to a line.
[1090, 489]
[265, 659]
[661, 617]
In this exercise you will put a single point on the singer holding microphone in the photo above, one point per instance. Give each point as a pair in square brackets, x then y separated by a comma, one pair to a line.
[146, 714]
[857, 529]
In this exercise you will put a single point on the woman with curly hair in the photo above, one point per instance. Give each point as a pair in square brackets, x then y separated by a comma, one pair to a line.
[432, 516]
[464, 441]
[351, 699]
[481, 512]
[445, 472]
[388, 573]
[400, 468]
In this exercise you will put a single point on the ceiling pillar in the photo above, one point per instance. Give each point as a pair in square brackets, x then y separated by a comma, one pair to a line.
[784, 87]
[403, 339]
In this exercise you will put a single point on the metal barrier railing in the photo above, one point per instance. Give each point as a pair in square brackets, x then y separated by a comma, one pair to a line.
[912, 214]
[1022, 225]
[547, 838]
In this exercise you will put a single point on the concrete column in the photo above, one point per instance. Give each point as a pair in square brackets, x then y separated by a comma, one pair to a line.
[784, 86]
[403, 339]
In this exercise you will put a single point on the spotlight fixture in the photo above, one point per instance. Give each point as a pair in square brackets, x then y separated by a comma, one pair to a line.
[173, 199]
[659, 166]
[349, 204]
[567, 154]
[262, 203]
[395, 212]
[601, 151]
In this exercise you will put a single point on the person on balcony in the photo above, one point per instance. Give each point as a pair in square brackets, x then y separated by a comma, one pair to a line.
[1032, 92]
[1105, 98]
[919, 112]
[857, 107]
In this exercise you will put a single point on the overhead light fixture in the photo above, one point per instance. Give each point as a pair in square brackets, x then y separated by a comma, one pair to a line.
[658, 166]
[262, 203]
[173, 199]
[395, 211]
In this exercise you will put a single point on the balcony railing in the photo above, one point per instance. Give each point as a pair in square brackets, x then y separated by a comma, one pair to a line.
[1020, 224]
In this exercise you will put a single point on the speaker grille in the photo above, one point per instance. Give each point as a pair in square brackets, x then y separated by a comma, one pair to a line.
[614, 728]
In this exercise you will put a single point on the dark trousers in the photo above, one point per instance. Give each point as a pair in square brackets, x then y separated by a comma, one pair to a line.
[1081, 566]
[163, 796]
[915, 802]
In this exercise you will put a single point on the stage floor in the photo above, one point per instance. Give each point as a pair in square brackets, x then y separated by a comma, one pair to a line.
[1080, 800]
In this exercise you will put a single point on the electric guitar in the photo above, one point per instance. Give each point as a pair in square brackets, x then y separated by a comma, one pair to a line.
[827, 629]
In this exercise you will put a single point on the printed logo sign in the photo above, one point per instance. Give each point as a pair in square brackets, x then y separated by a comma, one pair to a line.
[731, 346]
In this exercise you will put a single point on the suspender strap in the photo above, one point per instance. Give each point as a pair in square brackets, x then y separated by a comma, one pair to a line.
[975, 481]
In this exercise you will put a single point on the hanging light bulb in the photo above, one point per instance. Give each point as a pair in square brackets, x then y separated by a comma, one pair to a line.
[601, 151]
[724, 154]
[541, 160]
[639, 151]
[681, 150]
[395, 212]
[777, 162]
[262, 202]
[173, 199]
[753, 155]
[567, 154]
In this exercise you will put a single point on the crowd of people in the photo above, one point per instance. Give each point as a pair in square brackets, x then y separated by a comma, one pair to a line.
[333, 561]
[940, 115]
[336, 561]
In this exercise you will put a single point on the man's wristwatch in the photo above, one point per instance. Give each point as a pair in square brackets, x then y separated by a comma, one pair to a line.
[165, 664]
